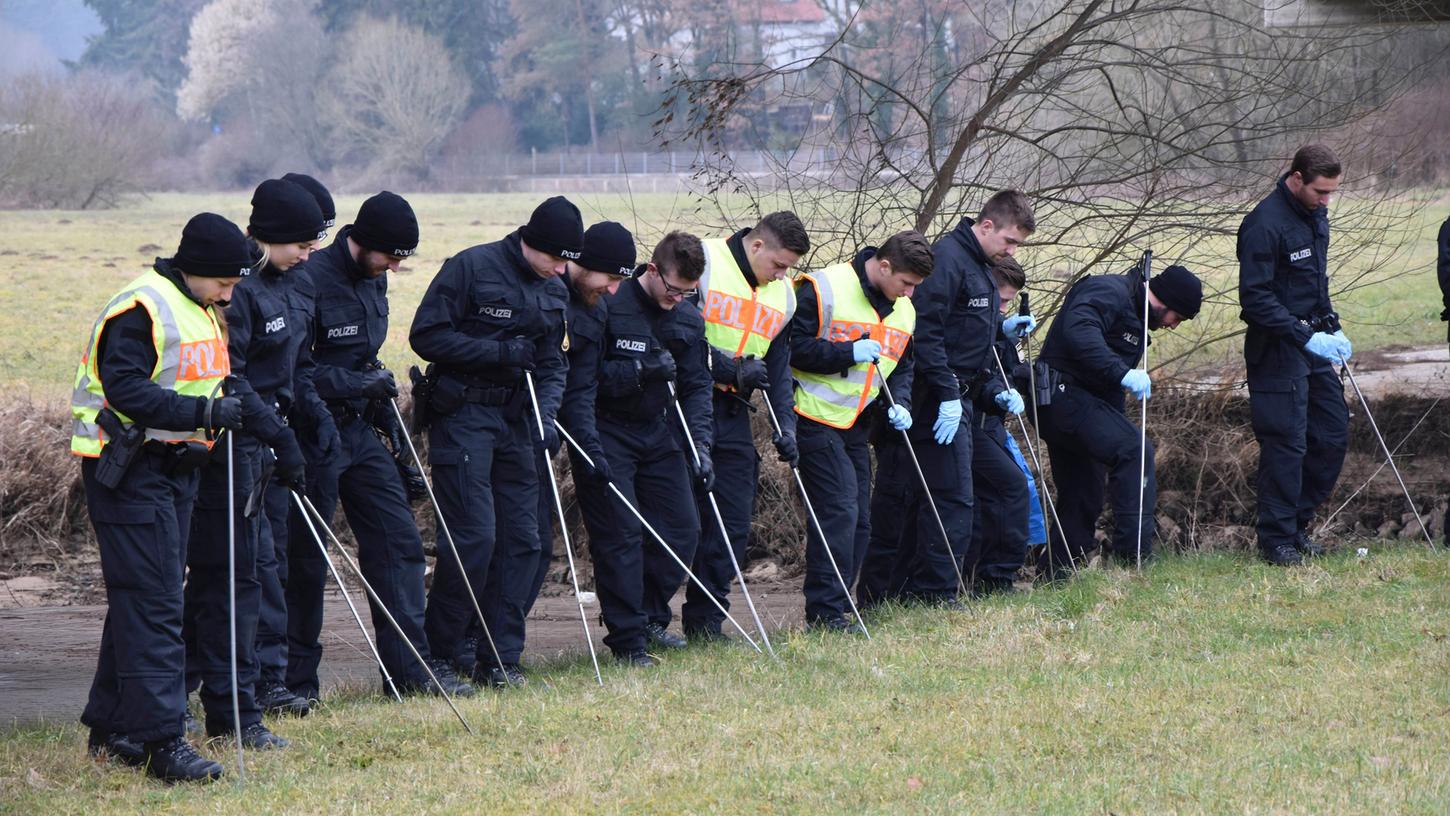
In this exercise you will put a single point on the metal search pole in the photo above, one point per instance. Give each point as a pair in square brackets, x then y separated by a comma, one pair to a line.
[232, 602]
[1143, 430]
[1389, 457]
[1036, 462]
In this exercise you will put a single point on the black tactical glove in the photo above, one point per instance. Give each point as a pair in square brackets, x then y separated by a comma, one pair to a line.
[750, 375]
[291, 468]
[550, 440]
[600, 468]
[412, 481]
[660, 367]
[704, 470]
[518, 353]
[329, 441]
[224, 412]
[378, 384]
[786, 448]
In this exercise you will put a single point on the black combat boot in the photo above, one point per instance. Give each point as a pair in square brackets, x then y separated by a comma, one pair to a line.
[662, 638]
[175, 760]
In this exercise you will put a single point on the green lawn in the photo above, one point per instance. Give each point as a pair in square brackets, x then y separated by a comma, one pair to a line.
[59, 267]
[1209, 684]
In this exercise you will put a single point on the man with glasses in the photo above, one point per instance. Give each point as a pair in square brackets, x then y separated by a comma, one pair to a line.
[654, 338]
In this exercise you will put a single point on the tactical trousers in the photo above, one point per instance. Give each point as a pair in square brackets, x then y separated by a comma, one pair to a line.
[836, 468]
[1302, 426]
[272, 575]
[928, 569]
[141, 530]
[737, 470]
[207, 617]
[364, 478]
[633, 576]
[999, 531]
[485, 473]
[1090, 441]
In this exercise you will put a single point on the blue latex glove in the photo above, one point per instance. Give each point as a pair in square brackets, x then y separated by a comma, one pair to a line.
[865, 350]
[1328, 346]
[899, 417]
[1137, 381]
[1011, 401]
[948, 420]
[1018, 326]
[1348, 346]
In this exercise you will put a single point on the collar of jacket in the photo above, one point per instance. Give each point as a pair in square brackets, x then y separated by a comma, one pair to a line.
[165, 269]
[968, 239]
[736, 243]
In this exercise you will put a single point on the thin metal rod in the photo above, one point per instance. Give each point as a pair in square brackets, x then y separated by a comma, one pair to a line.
[346, 596]
[1327, 521]
[926, 490]
[1037, 435]
[392, 621]
[443, 525]
[724, 534]
[820, 531]
[232, 602]
[1052, 506]
[1143, 418]
[563, 525]
[657, 537]
[1389, 457]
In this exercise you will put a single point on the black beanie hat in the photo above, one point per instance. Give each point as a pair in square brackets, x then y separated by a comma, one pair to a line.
[608, 248]
[386, 223]
[284, 213]
[213, 247]
[320, 193]
[556, 228]
[1179, 289]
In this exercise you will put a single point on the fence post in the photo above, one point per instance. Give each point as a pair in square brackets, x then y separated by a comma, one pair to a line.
[533, 161]
[561, 162]
[643, 163]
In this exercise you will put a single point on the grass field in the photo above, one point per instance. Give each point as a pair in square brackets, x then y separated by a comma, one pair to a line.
[59, 268]
[1206, 685]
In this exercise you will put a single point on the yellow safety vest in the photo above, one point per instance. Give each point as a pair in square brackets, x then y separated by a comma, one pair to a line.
[191, 359]
[740, 320]
[845, 316]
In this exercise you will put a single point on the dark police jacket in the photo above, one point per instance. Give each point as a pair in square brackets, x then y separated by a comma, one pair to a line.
[956, 321]
[581, 387]
[808, 352]
[986, 402]
[349, 324]
[1283, 252]
[266, 328]
[482, 298]
[637, 329]
[1098, 334]
[125, 358]
[1442, 266]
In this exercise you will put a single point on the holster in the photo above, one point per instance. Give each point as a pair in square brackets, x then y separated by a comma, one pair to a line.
[424, 384]
[1043, 376]
[118, 453]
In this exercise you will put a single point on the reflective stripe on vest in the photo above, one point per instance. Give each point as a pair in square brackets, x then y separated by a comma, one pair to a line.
[191, 358]
[740, 320]
[846, 316]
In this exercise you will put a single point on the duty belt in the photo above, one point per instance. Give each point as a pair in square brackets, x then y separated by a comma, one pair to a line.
[623, 418]
[489, 395]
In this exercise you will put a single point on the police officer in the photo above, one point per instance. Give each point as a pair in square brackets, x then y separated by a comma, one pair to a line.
[285, 224]
[494, 312]
[654, 337]
[1091, 349]
[1000, 487]
[853, 327]
[1293, 341]
[304, 411]
[145, 410]
[748, 304]
[1442, 267]
[349, 324]
[957, 323]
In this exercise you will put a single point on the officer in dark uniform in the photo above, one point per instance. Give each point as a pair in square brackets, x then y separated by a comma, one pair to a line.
[1091, 349]
[349, 325]
[145, 408]
[869, 318]
[305, 411]
[494, 312]
[956, 324]
[654, 337]
[1442, 267]
[1292, 344]
[999, 527]
[285, 224]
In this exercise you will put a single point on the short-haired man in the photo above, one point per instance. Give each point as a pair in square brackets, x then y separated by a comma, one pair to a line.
[957, 321]
[853, 328]
[1094, 347]
[1292, 344]
[747, 301]
[654, 338]
[349, 325]
[492, 317]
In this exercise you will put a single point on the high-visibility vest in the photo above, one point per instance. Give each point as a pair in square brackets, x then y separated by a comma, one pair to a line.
[846, 316]
[740, 320]
[191, 359]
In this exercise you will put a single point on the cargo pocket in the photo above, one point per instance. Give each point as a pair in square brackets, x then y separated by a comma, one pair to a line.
[1274, 409]
[132, 547]
[450, 474]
